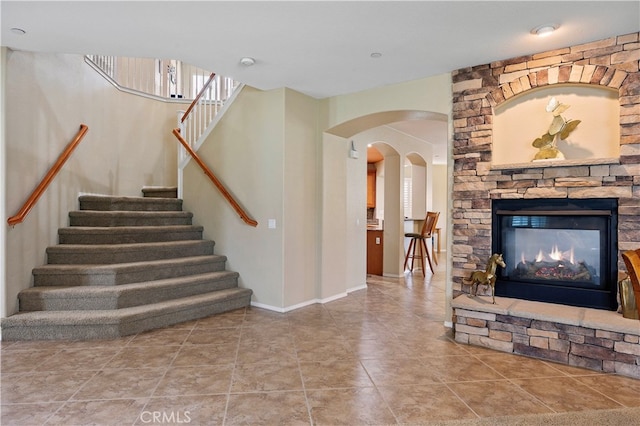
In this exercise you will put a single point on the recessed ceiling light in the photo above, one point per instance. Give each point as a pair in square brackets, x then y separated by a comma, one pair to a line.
[544, 30]
[247, 61]
[18, 31]
[376, 55]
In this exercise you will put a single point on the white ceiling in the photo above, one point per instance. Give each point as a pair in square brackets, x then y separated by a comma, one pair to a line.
[320, 48]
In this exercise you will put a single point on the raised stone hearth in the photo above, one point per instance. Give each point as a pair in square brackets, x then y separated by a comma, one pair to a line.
[590, 338]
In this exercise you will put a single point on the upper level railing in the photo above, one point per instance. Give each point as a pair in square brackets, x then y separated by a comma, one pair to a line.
[166, 79]
[46, 180]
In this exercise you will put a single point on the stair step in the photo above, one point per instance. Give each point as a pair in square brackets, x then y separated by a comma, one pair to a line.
[98, 254]
[125, 273]
[129, 218]
[123, 296]
[128, 234]
[108, 203]
[109, 324]
[160, 191]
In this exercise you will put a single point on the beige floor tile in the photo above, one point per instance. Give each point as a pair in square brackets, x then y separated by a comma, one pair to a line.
[103, 412]
[27, 414]
[78, 359]
[214, 336]
[519, 367]
[436, 347]
[399, 372]
[144, 357]
[566, 394]
[266, 377]
[24, 361]
[323, 350]
[198, 380]
[201, 410]
[498, 398]
[417, 404]
[121, 383]
[259, 335]
[355, 406]
[257, 351]
[44, 386]
[624, 390]
[460, 369]
[191, 355]
[267, 408]
[308, 332]
[341, 373]
[162, 337]
[380, 348]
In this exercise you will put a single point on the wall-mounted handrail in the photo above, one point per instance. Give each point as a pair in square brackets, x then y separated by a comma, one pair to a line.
[46, 180]
[225, 193]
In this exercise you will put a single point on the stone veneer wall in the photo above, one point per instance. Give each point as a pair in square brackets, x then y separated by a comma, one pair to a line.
[612, 62]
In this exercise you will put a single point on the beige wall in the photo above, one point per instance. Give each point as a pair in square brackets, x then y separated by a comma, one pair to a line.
[301, 198]
[246, 151]
[3, 178]
[129, 145]
[440, 200]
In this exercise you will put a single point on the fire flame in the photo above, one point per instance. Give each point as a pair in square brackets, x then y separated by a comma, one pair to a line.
[555, 254]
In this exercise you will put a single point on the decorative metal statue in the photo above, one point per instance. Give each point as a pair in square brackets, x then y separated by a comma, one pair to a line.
[558, 130]
[487, 277]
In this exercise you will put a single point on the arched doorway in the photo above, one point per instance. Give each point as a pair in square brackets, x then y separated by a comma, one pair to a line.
[344, 190]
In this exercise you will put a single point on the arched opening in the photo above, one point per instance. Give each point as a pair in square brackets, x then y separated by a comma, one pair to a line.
[345, 190]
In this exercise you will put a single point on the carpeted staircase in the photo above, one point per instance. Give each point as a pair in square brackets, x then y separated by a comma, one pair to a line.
[125, 265]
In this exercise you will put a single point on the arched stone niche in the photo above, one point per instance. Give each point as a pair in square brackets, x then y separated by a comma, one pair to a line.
[520, 116]
[520, 120]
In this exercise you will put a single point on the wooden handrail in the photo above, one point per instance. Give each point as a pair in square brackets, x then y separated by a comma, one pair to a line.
[198, 96]
[248, 220]
[44, 184]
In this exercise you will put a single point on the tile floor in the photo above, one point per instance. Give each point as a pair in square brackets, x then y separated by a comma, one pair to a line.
[378, 356]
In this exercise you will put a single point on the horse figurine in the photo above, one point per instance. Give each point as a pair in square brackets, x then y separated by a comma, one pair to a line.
[487, 277]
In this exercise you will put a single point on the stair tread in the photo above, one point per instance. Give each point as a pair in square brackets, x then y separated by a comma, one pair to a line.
[127, 246]
[127, 229]
[72, 291]
[100, 317]
[109, 268]
[136, 213]
[127, 198]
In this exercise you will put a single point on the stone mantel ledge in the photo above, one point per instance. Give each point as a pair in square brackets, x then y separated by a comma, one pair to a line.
[556, 163]
[597, 319]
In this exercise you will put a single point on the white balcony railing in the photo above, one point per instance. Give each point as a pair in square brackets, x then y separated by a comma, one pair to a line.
[167, 79]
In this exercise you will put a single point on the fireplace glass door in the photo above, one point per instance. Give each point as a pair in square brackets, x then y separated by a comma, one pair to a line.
[557, 251]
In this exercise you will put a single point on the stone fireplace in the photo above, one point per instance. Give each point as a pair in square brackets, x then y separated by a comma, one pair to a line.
[558, 331]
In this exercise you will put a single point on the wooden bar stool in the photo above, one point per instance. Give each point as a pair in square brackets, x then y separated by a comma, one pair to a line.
[418, 246]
